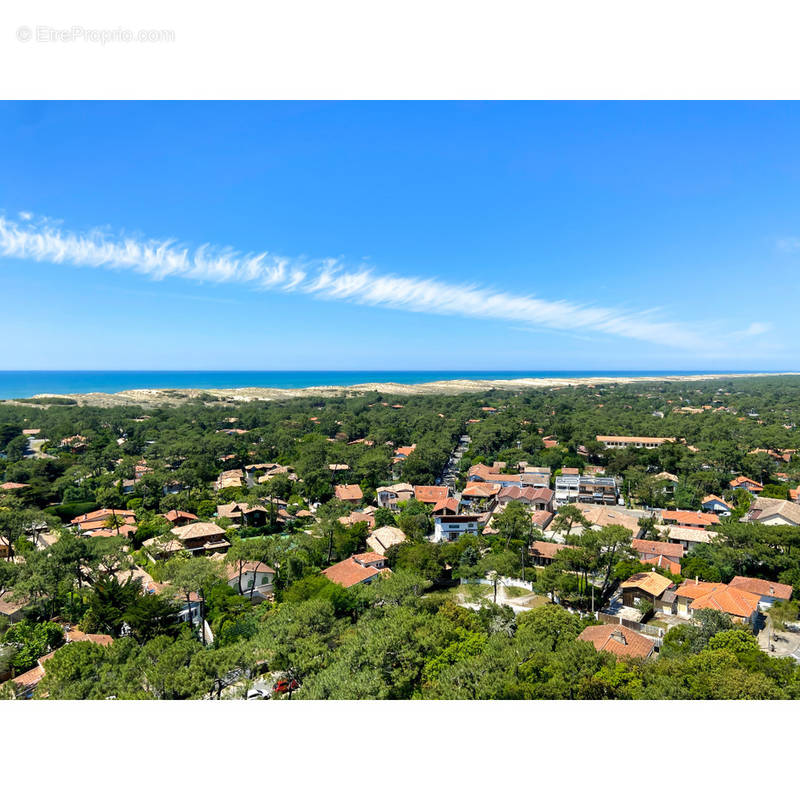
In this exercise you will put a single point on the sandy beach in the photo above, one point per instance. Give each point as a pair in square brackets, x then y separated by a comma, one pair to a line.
[156, 397]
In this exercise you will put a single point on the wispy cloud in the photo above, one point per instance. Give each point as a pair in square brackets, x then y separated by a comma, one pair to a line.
[788, 244]
[46, 241]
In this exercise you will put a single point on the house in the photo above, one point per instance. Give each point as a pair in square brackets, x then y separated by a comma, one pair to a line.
[740, 606]
[25, 684]
[402, 453]
[447, 506]
[178, 518]
[431, 495]
[541, 519]
[716, 505]
[87, 523]
[742, 482]
[543, 553]
[244, 514]
[647, 442]
[597, 489]
[567, 488]
[362, 568]
[188, 611]
[769, 511]
[198, 538]
[349, 492]
[229, 479]
[537, 497]
[690, 519]
[354, 517]
[449, 527]
[479, 495]
[538, 477]
[618, 640]
[644, 587]
[688, 538]
[390, 496]
[381, 539]
[256, 577]
[602, 516]
[669, 478]
[481, 473]
[769, 592]
[660, 554]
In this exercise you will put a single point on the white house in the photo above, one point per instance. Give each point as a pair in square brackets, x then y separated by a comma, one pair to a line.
[567, 489]
[450, 527]
[256, 577]
[716, 505]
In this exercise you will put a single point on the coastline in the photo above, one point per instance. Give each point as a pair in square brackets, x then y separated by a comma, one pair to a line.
[156, 397]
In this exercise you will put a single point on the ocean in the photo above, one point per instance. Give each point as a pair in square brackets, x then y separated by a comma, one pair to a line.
[18, 384]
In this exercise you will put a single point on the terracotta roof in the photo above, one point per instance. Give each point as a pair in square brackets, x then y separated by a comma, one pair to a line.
[633, 439]
[481, 490]
[730, 600]
[542, 518]
[349, 491]
[528, 493]
[355, 517]
[547, 549]
[29, 679]
[102, 514]
[448, 505]
[710, 498]
[694, 588]
[618, 640]
[405, 451]
[11, 486]
[431, 494]
[780, 591]
[349, 572]
[663, 562]
[736, 482]
[174, 515]
[651, 582]
[650, 548]
[687, 518]
[79, 636]
[483, 471]
[369, 559]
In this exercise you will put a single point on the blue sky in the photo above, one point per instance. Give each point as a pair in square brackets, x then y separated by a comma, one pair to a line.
[399, 235]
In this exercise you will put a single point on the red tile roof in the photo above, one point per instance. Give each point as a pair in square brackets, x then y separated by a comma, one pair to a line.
[431, 494]
[618, 640]
[729, 599]
[742, 480]
[349, 572]
[648, 548]
[780, 591]
[349, 491]
[689, 518]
